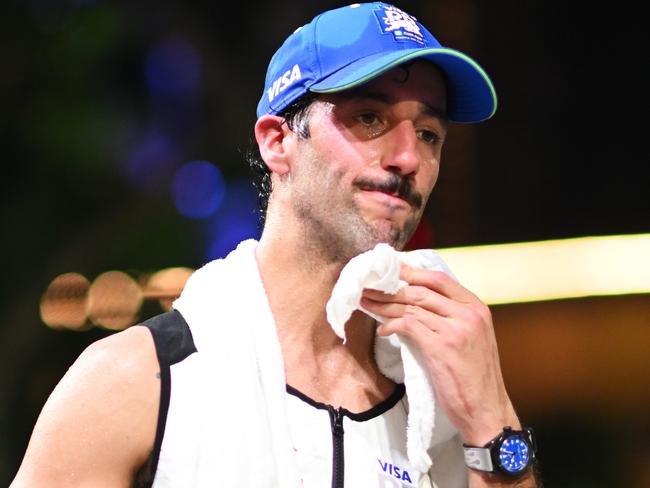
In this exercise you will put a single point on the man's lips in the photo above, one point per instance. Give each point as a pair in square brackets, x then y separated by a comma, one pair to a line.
[386, 197]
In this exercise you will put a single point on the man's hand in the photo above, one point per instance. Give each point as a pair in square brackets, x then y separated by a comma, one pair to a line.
[453, 333]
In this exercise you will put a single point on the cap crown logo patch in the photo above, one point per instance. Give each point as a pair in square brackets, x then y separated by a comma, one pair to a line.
[403, 27]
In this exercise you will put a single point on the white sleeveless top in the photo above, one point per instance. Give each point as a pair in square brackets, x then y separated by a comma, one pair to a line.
[332, 447]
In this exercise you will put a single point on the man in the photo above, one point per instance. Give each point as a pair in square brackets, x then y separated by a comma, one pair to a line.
[245, 383]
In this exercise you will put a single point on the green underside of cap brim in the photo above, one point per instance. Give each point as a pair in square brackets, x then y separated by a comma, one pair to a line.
[414, 55]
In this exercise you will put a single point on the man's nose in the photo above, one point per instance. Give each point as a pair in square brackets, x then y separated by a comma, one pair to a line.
[401, 156]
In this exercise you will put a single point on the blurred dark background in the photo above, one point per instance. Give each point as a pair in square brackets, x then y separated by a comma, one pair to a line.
[123, 127]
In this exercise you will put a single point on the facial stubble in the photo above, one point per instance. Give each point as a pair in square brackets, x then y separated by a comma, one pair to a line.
[334, 224]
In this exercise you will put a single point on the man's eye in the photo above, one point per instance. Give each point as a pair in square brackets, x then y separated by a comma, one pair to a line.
[428, 137]
[368, 119]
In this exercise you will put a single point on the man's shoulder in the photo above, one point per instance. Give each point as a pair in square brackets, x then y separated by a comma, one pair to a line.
[122, 353]
[116, 377]
[100, 421]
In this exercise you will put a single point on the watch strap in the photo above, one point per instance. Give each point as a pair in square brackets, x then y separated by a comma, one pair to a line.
[478, 458]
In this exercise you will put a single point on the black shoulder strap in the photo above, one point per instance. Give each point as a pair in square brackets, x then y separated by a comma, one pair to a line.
[172, 337]
[173, 341]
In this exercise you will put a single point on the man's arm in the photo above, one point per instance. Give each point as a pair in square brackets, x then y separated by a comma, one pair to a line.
[453, 331]
[98, 426]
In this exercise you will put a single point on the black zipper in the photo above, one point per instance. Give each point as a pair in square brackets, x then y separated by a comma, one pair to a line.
[336, 423]
[338, 462]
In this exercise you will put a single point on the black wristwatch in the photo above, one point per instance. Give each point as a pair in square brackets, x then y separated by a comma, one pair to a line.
[509, 453]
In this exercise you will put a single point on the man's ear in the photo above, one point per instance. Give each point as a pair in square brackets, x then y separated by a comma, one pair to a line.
[271, 134]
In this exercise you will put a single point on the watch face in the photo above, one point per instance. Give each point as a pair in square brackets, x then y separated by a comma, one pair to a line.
[514, 454]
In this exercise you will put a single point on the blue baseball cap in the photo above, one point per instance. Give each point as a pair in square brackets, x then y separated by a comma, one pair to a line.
[348, 46]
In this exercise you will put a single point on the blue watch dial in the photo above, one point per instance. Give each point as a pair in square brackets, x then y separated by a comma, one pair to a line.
[514, 454]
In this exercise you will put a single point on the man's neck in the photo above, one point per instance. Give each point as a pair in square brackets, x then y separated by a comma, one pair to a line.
[298, 284]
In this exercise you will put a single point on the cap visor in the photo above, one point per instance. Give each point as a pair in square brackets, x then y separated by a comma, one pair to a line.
[470, 93]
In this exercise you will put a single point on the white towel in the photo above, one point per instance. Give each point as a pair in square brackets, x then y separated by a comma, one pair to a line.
[378, 269]
[244, 424]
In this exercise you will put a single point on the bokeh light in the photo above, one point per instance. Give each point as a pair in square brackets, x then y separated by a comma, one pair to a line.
[63, 305]
[236, 220]
[151, 160]
[166, 285]
[554, 269]
[198, 189]
[172, 67]
[114, 300]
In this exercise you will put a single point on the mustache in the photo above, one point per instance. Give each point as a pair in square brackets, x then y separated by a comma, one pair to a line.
[395, 185]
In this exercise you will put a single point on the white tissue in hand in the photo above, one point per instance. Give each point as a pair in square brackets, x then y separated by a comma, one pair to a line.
[377, 269]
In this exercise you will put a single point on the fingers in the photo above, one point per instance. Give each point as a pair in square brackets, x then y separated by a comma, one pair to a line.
[413, 316]
[423, 334]
[407, 300]
[430, 307]
[410, 313]
[438, 281]
[432, 300]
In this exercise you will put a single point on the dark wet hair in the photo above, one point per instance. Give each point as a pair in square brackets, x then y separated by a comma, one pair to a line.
[296, 117]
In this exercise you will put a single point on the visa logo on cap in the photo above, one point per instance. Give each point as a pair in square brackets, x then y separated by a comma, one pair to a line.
[284, 82]
[397, 22]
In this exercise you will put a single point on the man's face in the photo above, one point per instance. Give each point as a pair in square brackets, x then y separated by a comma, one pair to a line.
[366, 172]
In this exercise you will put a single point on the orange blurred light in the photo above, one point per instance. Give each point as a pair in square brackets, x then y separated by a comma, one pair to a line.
[166, 285]
[114, 300]
[63, 305]
[554, 269]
